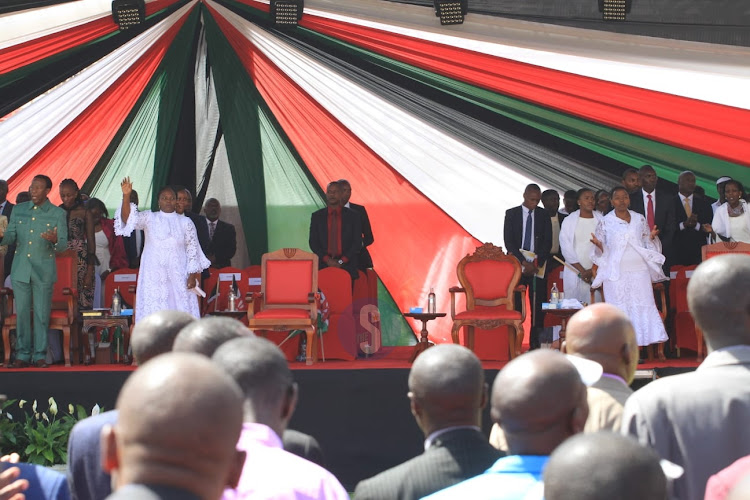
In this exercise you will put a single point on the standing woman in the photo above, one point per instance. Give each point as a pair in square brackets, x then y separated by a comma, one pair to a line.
[110, 249]
[172, 259]
[732, 218]
[628, 260]
[80, 240]
[576, 247]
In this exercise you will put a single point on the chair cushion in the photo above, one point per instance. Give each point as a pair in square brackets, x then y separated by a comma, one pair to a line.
[283, 313]
[490, 313]
[489, 279]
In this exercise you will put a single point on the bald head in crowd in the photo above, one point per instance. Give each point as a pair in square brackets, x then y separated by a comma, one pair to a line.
[603, 333]
[447, 388]
[155, 334]
[718, 299]
[176, 431]
[539, 400]
[261, 371]
[604, 466]
[204, 336]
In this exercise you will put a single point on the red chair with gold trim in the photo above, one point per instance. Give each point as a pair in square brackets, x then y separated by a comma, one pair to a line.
[489, 278]
[289, 287]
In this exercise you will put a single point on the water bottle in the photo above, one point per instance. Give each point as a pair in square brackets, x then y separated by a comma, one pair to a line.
[554, 296]
[116, 303]
[431, 302]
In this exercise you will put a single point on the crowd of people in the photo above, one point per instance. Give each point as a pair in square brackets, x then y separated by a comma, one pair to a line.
[567, 426]
[615, 244]
[184, 245]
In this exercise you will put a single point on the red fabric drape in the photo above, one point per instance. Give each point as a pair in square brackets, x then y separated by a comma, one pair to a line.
[75, 151]
[707, 128]
[417, 245]
[31, 51]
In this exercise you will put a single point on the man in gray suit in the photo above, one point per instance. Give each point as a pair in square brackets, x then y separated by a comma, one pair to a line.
[447, 393]
[699, 420]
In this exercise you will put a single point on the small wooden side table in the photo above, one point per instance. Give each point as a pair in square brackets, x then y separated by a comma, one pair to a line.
[424, 341]
[105, 321]
[564, 315]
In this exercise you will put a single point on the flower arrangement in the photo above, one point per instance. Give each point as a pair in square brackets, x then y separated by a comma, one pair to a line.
[39, 437]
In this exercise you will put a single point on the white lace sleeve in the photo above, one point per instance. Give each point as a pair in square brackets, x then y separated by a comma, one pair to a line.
[649, 244]
[196, 261]
[136, 220]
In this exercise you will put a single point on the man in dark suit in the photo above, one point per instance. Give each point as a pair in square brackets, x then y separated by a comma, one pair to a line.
[222, 236]
[658, 208]
[551, 203]
[134, 242]
[528, 227]
[6, 207]
[336, 234]
[447, 392]
[365, 261]
[693, 214]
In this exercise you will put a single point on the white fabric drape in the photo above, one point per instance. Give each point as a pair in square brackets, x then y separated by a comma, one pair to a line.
[31, 127]
[474, 189]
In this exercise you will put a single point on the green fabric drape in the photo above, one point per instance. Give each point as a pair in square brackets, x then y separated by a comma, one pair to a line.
[144, 151]
[240, 118]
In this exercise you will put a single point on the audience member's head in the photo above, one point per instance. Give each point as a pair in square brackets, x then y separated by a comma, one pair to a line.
[531, 196]
[184, 201]
[3, 190]
[721, 182]
[155, 334]
[718, 299]
[603, 333]
[604, 466]
[346, 191]
[179, 420]
[446, 388]
[741, 490]
[333, 194]
[261, 371]
[205, 335]
[551, 201]
[539, 400]
[570, 200]
[22, 197]
[630, 180]
[212, 208]
[686, 183]
[647, 178]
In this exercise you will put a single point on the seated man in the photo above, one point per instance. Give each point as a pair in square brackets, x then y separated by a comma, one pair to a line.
[336, 234]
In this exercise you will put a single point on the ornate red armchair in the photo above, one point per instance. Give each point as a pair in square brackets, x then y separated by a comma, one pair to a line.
[489, 279]
[289, 285]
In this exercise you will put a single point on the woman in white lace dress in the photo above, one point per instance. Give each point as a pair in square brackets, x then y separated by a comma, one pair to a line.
[172, 259]
[628, 259]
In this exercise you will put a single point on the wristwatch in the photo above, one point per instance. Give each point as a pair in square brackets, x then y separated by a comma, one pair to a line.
[341, 262]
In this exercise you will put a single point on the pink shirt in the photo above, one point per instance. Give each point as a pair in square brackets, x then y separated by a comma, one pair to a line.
[272, 473]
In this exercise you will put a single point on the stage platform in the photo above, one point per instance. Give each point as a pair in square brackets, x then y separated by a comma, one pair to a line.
[357, 410]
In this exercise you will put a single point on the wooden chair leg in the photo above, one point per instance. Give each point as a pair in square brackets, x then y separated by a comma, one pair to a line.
[311, 353]
[470, 338]
[519, 340]
[512, 334]
[454, 332]
[6, 345]
[66, 344]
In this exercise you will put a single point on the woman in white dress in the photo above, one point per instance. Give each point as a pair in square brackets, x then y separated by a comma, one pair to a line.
[576, 247]
[732, 218]
[172, 259]
[628, 259]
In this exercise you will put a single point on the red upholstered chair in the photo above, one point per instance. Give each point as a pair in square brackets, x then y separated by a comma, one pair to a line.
[289, 285]
[223, 278]
[64, 313]
[340, 339]
[723, 247]
[489, 279]
[125, 280]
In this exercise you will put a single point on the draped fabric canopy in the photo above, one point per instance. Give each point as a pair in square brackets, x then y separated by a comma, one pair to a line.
[438, 129]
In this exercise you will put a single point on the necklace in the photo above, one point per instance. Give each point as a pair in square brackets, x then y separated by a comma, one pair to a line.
[737, 211]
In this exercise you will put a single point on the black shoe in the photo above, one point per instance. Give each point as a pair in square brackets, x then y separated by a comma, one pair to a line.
[19, 363]
[40, 363]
